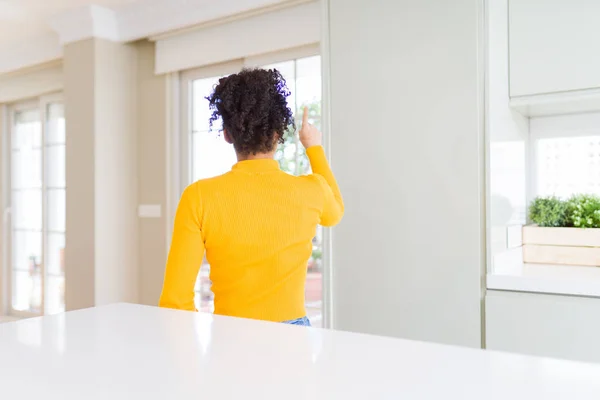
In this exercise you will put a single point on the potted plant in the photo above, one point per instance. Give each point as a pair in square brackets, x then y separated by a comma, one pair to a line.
[566, 232]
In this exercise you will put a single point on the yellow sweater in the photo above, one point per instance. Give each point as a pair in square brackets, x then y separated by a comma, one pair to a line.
[256, 224]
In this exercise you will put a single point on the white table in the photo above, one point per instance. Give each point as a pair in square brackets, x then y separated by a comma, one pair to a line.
[133, 352]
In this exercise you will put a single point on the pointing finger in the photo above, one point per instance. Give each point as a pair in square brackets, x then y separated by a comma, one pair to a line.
[305, 117]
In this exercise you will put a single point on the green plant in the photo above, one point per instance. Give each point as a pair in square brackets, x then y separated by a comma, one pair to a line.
[548, 212]
[583, 211]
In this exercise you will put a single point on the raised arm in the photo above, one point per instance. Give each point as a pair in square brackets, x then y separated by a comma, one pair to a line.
[185, 255]
[311, 138]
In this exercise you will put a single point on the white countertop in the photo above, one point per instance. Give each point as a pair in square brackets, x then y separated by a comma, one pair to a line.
[510, 273]
[134, 352]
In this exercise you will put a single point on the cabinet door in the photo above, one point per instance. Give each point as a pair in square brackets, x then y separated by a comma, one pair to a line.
[543, 325]
[415, 63]
[553, 46]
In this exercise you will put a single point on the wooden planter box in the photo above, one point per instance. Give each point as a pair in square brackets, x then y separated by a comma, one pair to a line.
[564, 246]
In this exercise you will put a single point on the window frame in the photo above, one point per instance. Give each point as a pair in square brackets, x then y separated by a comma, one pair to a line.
[41, 104]
[179, 149]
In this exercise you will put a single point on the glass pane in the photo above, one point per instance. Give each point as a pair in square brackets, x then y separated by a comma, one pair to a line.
[27, 209]
[287, 69]
[291, 155]
[55, 175]
[27, 130]
[287, 152]
[56, 210]
[201, 88]
[55, 254]
[197, 299]
[211, 155]
[55, 295]
[26, 250]
[303, 77]
[55, 124]
[27, 291]
[308, 84]
[205, 297]
[568, 166]
[26, 165]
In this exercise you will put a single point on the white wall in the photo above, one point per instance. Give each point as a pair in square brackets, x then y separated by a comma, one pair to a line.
[543, 325]
[116, 178]
[554, 46]
[101, 254]
[80, 175]
[152, 176]
[507, 133]
[407, 148]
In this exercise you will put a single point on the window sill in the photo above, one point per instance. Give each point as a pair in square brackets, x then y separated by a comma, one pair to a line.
[510, 273]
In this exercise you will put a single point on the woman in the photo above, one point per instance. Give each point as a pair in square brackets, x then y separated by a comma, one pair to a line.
[256, 223]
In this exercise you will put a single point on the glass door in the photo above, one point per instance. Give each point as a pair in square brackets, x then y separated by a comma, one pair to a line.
[210, 156]
[204, 152]
[55, 191]
[303, 77]
[26, 230]
[37, 207]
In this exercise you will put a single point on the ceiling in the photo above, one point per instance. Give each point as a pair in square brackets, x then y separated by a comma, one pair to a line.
[33, 32]
[26, 19]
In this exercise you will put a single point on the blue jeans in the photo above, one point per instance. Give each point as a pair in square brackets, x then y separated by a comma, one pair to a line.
[300, 321]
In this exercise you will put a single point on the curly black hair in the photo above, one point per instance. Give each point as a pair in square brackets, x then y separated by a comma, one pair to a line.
[253, 107]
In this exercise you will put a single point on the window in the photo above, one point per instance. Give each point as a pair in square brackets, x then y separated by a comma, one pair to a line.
[304, 81]
[557, 156]
[538, 145]
[206, 154]
[564, 155]
[567, 165]
[37, 204]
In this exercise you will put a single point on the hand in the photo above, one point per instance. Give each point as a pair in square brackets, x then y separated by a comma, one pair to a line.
[309, 135]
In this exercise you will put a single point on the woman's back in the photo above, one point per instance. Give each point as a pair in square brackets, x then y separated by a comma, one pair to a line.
[256, 223]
